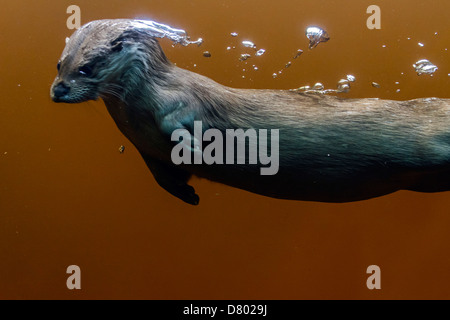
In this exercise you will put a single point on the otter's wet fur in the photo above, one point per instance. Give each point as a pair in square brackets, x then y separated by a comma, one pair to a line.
[330, 149]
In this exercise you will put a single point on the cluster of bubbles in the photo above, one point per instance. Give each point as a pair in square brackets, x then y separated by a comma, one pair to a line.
[343, 85]
[160, 30]
[244, 56]
[251, 45]
[424, 67]
[314, 34]
[288, 64]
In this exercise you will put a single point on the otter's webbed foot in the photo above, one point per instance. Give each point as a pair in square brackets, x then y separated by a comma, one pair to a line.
[184, 192]
[173, 180]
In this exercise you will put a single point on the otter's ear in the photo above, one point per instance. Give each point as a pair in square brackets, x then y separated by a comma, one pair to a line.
[126, 37]
[117, 45]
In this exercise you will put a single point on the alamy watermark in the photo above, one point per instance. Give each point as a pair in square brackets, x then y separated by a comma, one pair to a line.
[74, 20]
[374, 280]
[374, 21]
[74, 280]
[232, 146]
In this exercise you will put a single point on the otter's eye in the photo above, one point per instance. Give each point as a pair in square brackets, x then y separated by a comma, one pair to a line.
[85, 71]
[58, 66]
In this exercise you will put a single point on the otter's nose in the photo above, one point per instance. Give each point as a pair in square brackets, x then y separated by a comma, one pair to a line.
[60, 90]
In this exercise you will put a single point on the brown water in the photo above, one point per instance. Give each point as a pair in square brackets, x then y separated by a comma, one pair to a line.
[67, 196]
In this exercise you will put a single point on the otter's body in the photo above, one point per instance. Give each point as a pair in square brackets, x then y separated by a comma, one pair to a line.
[330, 149]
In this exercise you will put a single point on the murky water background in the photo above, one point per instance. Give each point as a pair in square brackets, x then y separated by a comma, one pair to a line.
[68, 196]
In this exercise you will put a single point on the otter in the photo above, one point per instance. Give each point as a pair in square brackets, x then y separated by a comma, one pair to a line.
[331, 149]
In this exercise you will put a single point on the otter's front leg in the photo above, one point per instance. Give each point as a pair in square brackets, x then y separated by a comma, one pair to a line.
[172, 179]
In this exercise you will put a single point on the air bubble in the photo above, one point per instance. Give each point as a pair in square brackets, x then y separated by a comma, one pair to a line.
[298, 53]
[318, 86]
[260, 52]
[343, 86]
[316, 35]
[244, 56]
[248, 44]
[424, 67]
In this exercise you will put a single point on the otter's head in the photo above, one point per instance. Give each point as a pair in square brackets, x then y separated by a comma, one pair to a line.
[108, 57]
